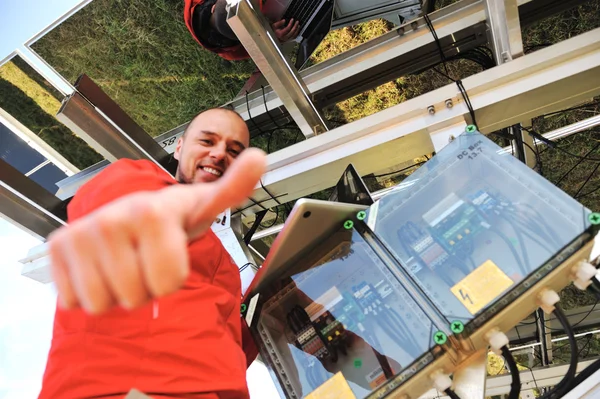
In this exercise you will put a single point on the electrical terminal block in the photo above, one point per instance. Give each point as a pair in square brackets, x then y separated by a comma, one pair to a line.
[306, 334]
[583, 274]
[497, 340]
[441, 381]
[547, 299]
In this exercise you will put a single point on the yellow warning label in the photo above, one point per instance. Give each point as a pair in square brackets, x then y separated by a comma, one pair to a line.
[481, 286]
[334, 388]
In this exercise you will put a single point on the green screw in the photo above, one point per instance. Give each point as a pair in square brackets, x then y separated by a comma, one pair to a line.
[457, 327]
[471, 129]
[348, 224]
[243, 307]
[594, 218]
[440, 338]
[361, 215]
[357, 363]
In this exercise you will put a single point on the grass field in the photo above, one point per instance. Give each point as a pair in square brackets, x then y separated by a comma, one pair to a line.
[34, 103]
[143, 56]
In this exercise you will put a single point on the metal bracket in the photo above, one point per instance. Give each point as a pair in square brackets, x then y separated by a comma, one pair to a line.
[256, 35]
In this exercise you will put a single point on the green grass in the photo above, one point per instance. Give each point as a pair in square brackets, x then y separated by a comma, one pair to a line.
[143, 56]
[30, 101]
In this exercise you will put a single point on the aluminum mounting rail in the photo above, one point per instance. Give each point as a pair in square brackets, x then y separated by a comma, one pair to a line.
[548, 80]
[255, 33]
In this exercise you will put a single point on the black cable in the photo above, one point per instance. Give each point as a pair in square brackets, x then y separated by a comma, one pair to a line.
[459, 82]
[552, 144]
[399, 171]
[451, 394]
[560, 388]
[250, 116]
[515, 385]
[588, 193]
[526, 228]
[530, 369]
[269, 142]
[465, 95]
[534, 46]
[339, 122]
[265, 103]
[258, 203]
[276, 212]
[577, 164]
[397, 320]
[512, 249]
[539, 219]
[258, 218]
[535, 153]
[570, 109]
[587, 180]
[585, 374]
[437, 42]
[430, 7]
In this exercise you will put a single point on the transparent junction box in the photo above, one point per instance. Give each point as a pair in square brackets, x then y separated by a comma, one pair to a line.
[407, 283]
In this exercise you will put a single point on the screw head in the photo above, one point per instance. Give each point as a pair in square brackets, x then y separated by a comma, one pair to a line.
[431, 109]
[415, 25]
[449, 103]
[471, 129]
[594, 218]
[361, 215]
[457, 327]
[440, 338]
[348, 224]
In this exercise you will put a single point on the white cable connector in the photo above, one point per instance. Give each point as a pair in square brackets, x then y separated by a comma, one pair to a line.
[583, 273]
[547, 299]
[497, 340]
[441, 380]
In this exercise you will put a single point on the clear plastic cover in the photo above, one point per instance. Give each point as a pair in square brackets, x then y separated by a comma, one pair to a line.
[472, 223]
[340, 309]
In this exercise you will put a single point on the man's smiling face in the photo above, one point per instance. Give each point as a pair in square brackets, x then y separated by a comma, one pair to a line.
[210, 144]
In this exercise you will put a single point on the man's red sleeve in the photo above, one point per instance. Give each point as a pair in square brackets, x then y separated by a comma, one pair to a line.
[248, 344]
[117, 180]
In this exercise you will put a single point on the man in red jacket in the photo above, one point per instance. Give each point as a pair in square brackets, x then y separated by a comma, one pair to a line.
[149, 298]
[207, 22]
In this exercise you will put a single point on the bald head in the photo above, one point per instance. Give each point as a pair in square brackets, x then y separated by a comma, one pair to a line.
[211, 142]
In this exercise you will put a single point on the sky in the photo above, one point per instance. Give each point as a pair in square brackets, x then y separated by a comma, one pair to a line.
[19, 23]
[26, 316]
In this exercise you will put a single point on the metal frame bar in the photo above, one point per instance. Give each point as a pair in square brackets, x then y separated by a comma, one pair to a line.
[256, 35]
[103, 135]
[45, 70]
[405, 9]
[547, 80]
[395, 48]
[27, 204]
[107, 106]
[505, 29]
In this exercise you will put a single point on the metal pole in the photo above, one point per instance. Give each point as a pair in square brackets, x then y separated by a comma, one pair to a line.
[255, 33]
[27, 204]
[89, 123]
[505, 29]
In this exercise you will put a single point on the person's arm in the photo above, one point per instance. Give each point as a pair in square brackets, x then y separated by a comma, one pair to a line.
[126, 243]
